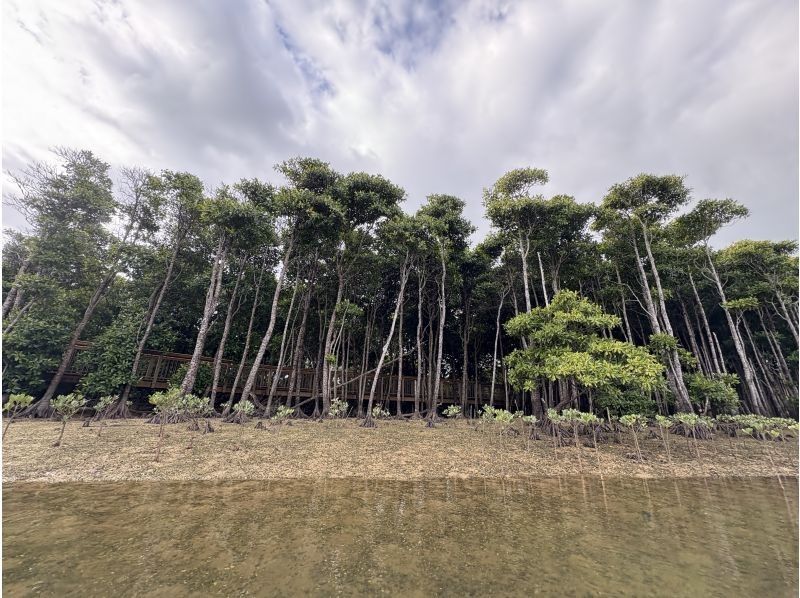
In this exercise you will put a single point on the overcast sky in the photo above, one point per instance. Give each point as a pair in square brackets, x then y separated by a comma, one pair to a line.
[440, 97]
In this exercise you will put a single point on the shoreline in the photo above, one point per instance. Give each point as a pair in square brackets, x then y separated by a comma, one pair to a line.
[124, 451]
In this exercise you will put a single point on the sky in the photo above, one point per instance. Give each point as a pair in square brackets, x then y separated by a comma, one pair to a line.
[439, 97]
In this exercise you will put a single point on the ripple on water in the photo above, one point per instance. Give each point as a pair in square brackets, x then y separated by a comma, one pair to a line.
[566, 536]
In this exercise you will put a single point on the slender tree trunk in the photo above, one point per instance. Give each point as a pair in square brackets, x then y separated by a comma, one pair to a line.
[257, 293]
[770, 393]
[747, 370]
[301, 336]
[681, 393]
[496, 340]
[42, 407]
[18, 316]
[706, 345]
[624, 307]
[368, 422]
[400, 358]
[656, 327]
[122, 407]
[362, 382]
[790, 321]
[544, 286]
[11, 296]
[430, 362]
[251, 377]
[212, 298]
[719, 350]
[282, 353]
[775, 348]
[702, 312]
[442, 314]
[326, 383]
[692, 339]
[315, 385]
[418, 386]
[524, 249]
[226, 329]
[132, 227]
[465, 361]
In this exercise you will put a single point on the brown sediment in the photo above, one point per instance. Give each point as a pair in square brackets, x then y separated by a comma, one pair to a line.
[395, 450]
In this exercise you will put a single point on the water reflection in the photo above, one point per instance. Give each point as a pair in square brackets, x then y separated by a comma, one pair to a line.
[568, 536]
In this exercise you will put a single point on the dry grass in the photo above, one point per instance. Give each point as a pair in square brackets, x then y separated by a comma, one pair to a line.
[125, 450]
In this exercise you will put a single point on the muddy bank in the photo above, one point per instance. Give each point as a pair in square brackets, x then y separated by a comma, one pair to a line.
[125, 450]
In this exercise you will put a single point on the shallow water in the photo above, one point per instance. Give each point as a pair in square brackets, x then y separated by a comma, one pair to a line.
[569, 537]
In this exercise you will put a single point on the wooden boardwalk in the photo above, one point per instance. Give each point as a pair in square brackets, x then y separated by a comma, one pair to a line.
[156, 368]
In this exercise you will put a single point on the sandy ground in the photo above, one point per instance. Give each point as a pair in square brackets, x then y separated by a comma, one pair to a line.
[395, 450]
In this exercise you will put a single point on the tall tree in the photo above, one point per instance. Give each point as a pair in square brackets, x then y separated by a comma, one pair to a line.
[448, 232]
[636, 211]
[70, 208]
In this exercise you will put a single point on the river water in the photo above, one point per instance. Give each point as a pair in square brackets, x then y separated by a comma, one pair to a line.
[565, 537]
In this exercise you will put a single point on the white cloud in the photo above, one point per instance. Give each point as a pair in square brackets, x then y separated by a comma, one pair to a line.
[439, 97]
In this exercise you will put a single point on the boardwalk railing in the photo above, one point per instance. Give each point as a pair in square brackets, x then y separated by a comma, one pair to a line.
[156, 368]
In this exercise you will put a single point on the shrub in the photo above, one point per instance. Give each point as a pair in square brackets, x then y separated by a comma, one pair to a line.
[379, 412]
[452, 411]
[635, 421]
[691, 424]
[15, 404]
[716, 391]
[623, 402]
[493, 414]
[67, 406]
[757, 426]
[205, 376]
[242, 410]
[339, 408]
[103, 404]
[166, 403]
[283, 413]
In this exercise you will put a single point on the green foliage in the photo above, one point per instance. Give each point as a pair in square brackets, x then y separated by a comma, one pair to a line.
[379, 413]
[495, 415]
[110, 358]
[33, 348]
[282, 414]
[452, 411]
[16, 402]
[661, 344]
[636, 421]
[166, 402]
[171, 403]
[103, 403]
[759, 427]
[205, 376]
[244, 408]
[717, 391]
[192, 406]
[68, 405]
[707, 217]
[691, 424]
[589, 419]
[339, 409]
[622, 402]
[646, 197]
[564, 343]
[662, 421]
[740, 305]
